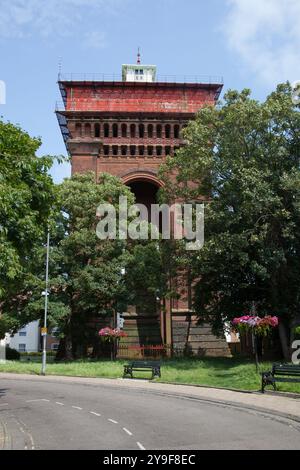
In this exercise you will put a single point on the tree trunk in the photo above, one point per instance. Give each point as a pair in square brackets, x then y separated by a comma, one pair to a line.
[69, 351]
[64, 352]
[283, 335]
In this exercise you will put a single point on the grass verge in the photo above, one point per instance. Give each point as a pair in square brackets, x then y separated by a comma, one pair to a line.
[215, 372]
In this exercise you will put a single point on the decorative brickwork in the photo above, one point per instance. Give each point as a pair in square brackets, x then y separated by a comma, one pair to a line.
[128, 129]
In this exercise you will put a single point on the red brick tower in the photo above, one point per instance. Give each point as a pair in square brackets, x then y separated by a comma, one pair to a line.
[126, 126]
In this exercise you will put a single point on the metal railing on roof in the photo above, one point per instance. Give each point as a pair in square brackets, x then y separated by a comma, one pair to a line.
[104, 77]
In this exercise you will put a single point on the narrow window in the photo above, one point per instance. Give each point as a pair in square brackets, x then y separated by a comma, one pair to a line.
[87, 130]
[150, 130]
[141, 131]
[97, 130]
[132, 150]
[158, 131]
[150, 150]
[168, 131]
[124, 150]
[159, 151]
[168, 150]
[115, 130]
[115, 150]
[124, 130]
[106, 149]
[78, 129]
[132, 130]
[106, 130]
[141, 150]
[176, 131]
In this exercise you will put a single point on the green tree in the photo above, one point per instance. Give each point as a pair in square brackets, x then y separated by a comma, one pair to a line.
[243, 157]
[27, 195]
[86, 281]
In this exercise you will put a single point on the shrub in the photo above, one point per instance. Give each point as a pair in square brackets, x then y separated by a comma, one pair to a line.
[37, 353]
[12, 354]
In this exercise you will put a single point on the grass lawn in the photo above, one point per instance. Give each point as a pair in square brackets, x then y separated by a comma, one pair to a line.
[215, 372]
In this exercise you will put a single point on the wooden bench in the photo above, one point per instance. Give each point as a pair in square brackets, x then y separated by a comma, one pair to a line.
[154, 366]
[280, 373]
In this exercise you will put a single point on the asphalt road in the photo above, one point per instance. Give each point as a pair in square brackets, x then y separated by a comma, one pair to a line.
[57, 415]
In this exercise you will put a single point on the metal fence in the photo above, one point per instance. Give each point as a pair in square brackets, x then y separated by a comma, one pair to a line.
[117, 77]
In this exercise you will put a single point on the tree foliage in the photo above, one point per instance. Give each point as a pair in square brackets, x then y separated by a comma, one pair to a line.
[243, 157]
[26, 198]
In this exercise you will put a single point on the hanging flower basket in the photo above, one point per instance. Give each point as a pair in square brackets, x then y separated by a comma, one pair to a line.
[110, 334]
[258, 326]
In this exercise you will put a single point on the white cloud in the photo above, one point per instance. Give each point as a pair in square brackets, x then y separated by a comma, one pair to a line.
[266, 35]
[22, 18]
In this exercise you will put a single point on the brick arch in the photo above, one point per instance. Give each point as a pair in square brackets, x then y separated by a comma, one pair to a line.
[146, 176]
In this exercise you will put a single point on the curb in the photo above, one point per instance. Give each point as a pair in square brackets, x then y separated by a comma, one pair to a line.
[274, 414]
[237, 390]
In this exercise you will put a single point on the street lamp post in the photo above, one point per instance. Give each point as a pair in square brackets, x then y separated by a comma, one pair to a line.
[44, 332]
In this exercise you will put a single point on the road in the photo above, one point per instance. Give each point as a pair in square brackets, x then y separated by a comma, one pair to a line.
[38, 414]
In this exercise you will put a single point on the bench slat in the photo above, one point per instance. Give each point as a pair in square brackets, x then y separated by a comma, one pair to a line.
[281, 373]
[283, 379]
[140, 366]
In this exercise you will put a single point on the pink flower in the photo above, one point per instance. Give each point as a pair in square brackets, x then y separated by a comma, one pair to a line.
[257, 324]
[112, 333]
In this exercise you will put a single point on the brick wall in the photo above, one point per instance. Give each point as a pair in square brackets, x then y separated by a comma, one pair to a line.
[138, 97]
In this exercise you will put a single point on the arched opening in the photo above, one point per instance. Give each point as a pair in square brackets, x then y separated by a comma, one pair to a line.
[115, 130]
[150, 131]
[168, 131]
[159, 131]
[176, 131]
[145, 188]
[106, 130]
[145, 192]
[132, 130]
[97, 130]
[159, 151]
[141, 131]
[150, 150]
[124, 130]
[78, 129]
[87, 129]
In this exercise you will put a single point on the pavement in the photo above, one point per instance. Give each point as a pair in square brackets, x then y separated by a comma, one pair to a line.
[55, 412]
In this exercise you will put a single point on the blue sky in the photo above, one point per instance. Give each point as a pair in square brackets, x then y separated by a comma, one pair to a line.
[251, 43]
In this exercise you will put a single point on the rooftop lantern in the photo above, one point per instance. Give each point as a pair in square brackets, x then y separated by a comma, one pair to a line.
[137, 72]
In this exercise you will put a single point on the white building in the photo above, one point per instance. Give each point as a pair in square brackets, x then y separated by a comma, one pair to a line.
[25, 340]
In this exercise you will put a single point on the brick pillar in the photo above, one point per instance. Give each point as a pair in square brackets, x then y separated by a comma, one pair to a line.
[171, 131]
[101, 130]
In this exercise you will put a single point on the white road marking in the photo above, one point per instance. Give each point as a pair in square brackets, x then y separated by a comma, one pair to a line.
[128, 432]
[140, 446]
[38, 399]
[26, 432]
[94, 413]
